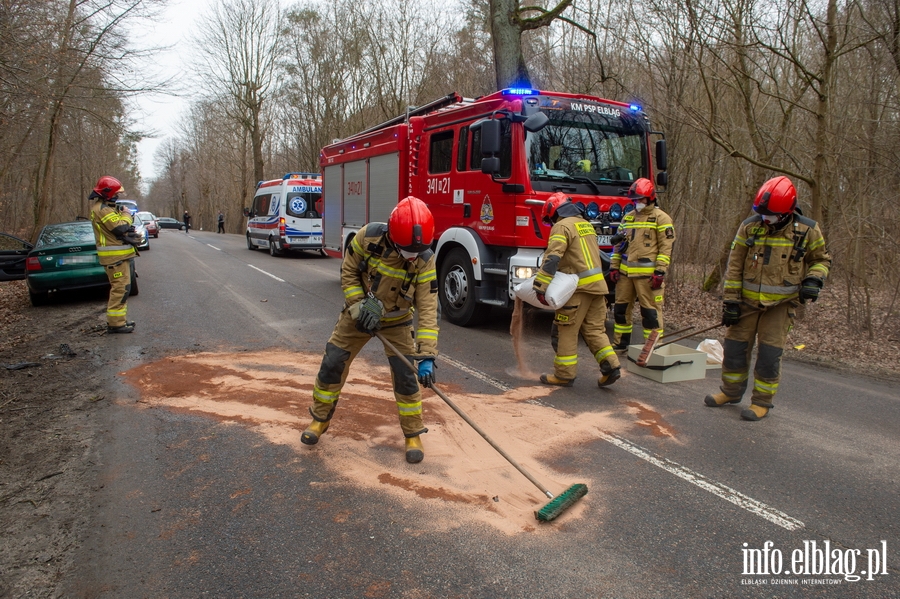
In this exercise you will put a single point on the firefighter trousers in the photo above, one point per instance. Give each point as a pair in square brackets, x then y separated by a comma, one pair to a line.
[584, 314]
[769, 327]
[343, 346]
[651, 303]
[119, 275]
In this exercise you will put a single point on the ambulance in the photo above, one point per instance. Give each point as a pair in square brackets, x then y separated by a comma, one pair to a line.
[286, 214]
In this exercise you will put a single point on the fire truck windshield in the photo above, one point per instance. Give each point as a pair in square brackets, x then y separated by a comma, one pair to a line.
[586, 148]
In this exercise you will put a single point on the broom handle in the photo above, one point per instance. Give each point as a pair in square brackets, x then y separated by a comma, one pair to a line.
[465, 417]
[715, 326]
[678, 332]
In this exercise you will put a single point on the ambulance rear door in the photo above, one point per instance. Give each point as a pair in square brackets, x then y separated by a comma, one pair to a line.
[302, 221]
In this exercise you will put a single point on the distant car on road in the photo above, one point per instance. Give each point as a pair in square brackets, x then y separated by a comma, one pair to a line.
[13, 252]
[141, 228]
[131, 205]
[64, 258]
[169, 223]
[150, 222]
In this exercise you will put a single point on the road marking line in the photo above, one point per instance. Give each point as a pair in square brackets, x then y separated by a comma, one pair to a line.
[727, 493]
[477, 374]
[214, 247]
[266, 273]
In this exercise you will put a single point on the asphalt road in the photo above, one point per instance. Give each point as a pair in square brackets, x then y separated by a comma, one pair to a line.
[681, 496]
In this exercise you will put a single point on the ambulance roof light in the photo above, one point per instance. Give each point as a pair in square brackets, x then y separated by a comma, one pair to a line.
[635, 107]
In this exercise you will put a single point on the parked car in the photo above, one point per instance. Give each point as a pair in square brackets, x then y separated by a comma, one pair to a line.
[169, 223]
[13, 252]
[150, 222]
[141, 228]
[64, 258]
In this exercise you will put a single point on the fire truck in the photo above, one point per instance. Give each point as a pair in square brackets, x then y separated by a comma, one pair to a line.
[485, 167]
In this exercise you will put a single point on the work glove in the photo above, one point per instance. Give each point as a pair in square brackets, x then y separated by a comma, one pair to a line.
[368, 314]
[541, 298]
[132, 237]
[809, 289]
[656, 279]
[426, 372]
[617, 239]
[731, 313]
[613, 275]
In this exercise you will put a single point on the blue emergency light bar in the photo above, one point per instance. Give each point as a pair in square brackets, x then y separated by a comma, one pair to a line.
[520, 91]
[307, 175]
[635, 107]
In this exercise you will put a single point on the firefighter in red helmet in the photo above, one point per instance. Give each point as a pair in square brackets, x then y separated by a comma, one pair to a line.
[116, 242]
[572, 248]
[778, 261]
[388, 272]
[639, 263]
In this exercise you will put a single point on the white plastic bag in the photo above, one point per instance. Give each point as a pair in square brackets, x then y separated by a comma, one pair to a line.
[558, 293]
[714, 351]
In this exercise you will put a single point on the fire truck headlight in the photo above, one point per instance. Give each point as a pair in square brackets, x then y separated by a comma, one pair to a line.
[523, 272]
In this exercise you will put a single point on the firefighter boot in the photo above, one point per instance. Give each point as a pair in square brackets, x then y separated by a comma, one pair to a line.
[754, 412]
[608, 374]
[415, 453]
[312, 433]
[550, 379]
[720, 399]
[125, 328]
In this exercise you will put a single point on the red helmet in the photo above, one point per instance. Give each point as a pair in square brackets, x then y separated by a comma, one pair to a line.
[776, 196]
[108, 187]
[551, 206]
[642, 189]
[411, 225]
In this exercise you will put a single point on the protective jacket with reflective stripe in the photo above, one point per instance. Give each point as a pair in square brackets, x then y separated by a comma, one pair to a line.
[649, 237]
[109, 227]
[373, 263]
[766, 266]
[572, 248]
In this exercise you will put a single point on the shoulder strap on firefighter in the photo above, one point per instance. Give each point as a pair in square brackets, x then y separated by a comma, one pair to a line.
[801, 227]
[376, 247]
[751, 238]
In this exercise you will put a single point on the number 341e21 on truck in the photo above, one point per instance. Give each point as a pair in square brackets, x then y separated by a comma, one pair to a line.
[485, 167]
[286, 214]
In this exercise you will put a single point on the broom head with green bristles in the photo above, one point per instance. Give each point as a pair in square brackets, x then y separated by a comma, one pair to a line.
[561, 502]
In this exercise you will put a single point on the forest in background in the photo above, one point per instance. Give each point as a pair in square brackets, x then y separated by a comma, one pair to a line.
[743, 89]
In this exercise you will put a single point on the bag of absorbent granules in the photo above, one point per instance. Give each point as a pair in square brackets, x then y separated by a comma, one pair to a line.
[558, 293]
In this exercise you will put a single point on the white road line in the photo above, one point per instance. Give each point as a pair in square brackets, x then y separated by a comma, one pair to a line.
[726, 493]
[477, 374]
[214, 247]
[266, 273]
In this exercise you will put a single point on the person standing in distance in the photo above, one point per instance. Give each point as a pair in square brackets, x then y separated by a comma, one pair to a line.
[572, 248]
[388, 273]
[221, 221]
[649, 237]
[116, 241]
[186, 217]
[778, 261]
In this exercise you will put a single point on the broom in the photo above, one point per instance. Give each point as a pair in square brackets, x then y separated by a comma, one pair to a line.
[557, 505]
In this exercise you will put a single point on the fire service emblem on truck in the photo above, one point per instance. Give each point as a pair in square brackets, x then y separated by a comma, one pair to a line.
[487, 211]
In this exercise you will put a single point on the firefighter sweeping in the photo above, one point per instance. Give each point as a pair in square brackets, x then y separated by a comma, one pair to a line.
[388, 272]
[778, 261]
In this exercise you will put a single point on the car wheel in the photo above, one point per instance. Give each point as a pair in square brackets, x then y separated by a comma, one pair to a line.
[38, 299]
[457, 291]
[250, 245]
[272, 250]
[134, 284]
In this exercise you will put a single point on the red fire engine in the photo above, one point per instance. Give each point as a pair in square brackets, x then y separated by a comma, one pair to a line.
[485, 167]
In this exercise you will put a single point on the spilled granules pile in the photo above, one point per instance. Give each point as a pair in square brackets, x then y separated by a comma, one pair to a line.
[462, 477]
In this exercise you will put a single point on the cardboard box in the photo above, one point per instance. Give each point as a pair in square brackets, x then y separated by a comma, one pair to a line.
[692, 363]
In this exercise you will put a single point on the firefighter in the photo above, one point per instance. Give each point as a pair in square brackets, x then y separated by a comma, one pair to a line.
[647, 250]
[572, 248]
[778, 261]
[116, 241]
[387, 273]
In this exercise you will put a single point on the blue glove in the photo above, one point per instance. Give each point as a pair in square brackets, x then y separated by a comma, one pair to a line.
[426, 372]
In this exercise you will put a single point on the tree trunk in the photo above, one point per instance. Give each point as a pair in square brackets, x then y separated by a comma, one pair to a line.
[506, 37]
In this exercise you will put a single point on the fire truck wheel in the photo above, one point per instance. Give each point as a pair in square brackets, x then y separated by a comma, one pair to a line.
[250, 245]
[457, 291]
